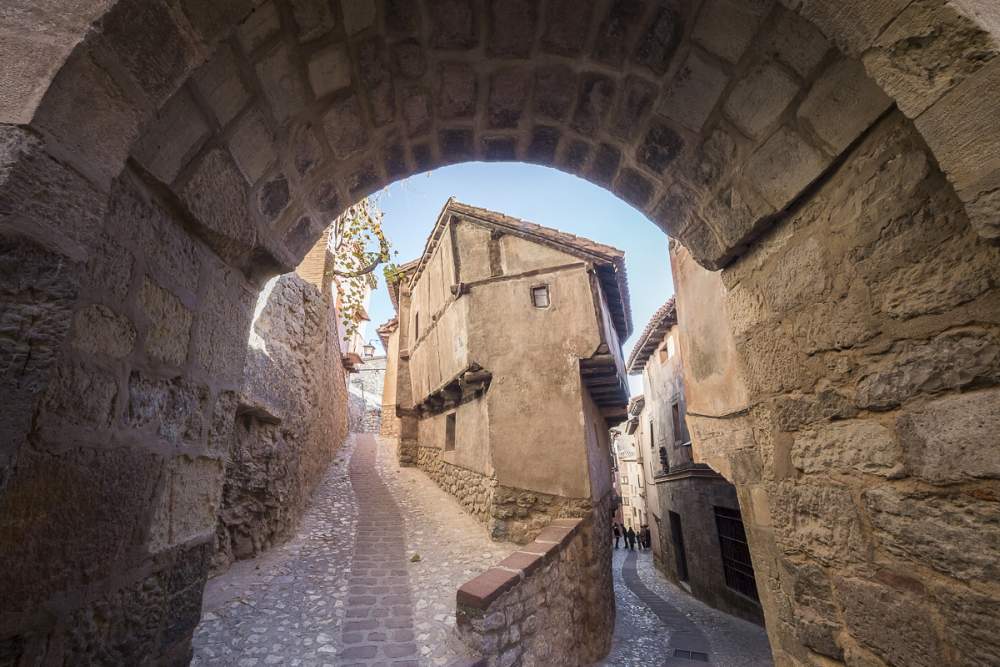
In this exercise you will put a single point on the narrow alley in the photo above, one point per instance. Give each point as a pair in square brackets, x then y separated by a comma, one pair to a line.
[370, 579]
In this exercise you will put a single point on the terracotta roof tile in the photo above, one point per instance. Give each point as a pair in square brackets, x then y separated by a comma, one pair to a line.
[652, 335]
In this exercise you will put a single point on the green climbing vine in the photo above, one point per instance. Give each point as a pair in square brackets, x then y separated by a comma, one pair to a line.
[359, 246]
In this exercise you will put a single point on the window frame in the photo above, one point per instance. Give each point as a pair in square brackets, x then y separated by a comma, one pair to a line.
[548, 295]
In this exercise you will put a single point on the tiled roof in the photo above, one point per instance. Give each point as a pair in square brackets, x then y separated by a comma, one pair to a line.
[651, 337]
[405, 269]
[609, 261]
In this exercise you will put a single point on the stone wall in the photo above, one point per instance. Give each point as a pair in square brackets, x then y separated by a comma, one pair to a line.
[366, 385]
[515, 515]
[867, 327]
[290, 421]
[550, 603]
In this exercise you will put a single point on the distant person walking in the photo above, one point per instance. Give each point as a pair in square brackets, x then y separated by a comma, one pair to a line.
[647, 538]
[630, 538]
[617, 533]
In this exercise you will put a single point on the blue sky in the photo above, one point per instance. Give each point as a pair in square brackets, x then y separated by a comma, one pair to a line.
[538, 194]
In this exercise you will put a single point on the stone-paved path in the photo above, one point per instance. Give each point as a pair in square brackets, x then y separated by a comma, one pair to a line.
[287, 606]
[453, 547]
[348, 589]
[656, 618]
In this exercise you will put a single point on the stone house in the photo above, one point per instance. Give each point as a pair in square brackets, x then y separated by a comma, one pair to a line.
[365, 394]
[694, 516]
[514, 425]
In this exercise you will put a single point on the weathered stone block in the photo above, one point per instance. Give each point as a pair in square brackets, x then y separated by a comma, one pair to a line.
[99, 330]
[596, 95]
[842, 104]
[950, 361]
[963, 128]
[358, 15]
[416, 108]
[544, 142]
[174, 136]
[694, 92]
[851, 24]
[661, 146]
[634, 188]
[252, 145]
[216, 195]
[284, 88]
[615, 30]
[175, 410]
[503, 149]
[259, 27]
[555, 90]
[409, 59]
[314, 18]
[197, 487]
[220, 85]
[659, 43]
[796, 42]
[457, 92]
[454, 24]
[273, 196]
[636, 100]
[329, 70]
[69, 519]
[79, 395]
[223, 325]
[784, 166]
[844, 446]
[726, 28]
[953, 439]
[971, 624]
[345, 127]
[96, 143]
[456, 144]
[605, 165]
[402, 17]
[948, 532]
[759, 98]
[45, 198]
[109, 270]
[148, 44]
[511, 28]
[867, 606]
[819, 520]
[212, 20]
[508, 94]
[574, 155]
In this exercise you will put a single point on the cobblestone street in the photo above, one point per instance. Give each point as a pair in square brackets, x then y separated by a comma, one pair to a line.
[325, 599]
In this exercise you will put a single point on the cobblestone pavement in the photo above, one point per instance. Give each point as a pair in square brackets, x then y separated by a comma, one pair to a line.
[287, 606]
[324, 599]
[655, 618]
[453, 548]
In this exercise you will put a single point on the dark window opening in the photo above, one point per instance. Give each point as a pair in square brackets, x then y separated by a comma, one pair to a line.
[675, 415]
[664, 459]
[736, 563]
[449, 433]
[416, 326]
[540, 296]
[677, 538]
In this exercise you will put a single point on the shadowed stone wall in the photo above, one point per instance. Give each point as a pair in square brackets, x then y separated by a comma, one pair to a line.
[291, 419]
[867, 333]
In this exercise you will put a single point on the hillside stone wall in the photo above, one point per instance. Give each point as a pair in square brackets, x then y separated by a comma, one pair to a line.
[290, 421]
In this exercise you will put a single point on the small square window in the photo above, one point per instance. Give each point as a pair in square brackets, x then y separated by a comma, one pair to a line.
[540, 296]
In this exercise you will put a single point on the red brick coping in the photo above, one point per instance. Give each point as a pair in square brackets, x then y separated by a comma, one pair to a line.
[480, 592]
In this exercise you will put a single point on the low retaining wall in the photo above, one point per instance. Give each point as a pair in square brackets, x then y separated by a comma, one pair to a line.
[550, 603]
[511, 514]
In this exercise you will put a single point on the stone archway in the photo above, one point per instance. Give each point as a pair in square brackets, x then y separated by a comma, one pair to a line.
[184, 151]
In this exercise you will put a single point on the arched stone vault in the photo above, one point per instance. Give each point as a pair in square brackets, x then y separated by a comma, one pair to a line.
[154, 173]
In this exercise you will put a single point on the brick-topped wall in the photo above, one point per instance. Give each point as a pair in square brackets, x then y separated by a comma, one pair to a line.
[549, 603]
